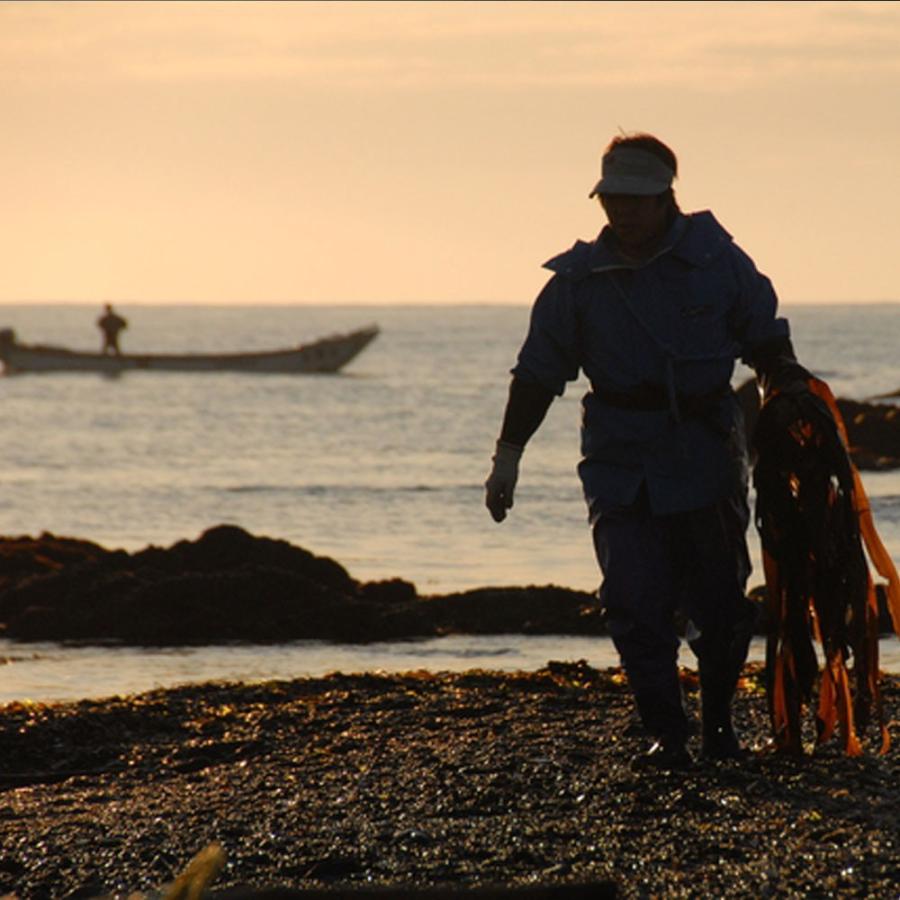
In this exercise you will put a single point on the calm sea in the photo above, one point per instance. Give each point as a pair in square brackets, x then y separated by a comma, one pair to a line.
[380, 467]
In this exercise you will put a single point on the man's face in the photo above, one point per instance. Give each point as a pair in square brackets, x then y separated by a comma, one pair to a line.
[636, 220]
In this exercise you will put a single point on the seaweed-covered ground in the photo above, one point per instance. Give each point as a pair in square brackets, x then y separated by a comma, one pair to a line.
[458, 781]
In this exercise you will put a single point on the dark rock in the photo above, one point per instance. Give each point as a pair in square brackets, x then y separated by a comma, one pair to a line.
[226, 586]
[228, 546]
[390, 592]
[530, 610]
[229, 585]
[23, 556]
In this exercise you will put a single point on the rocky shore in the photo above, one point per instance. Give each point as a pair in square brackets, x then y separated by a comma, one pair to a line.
[481, 781]
[229, 585]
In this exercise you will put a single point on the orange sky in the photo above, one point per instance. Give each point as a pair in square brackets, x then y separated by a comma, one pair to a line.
[431, 152]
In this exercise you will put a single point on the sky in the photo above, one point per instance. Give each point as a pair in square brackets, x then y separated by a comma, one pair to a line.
[436, 152]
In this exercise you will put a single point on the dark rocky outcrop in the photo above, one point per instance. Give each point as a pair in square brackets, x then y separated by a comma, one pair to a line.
[229, 585]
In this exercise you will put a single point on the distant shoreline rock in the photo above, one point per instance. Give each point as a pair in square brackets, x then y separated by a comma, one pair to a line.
[231, 586]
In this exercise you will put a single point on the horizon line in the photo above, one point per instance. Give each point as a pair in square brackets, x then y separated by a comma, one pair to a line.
[370, 303]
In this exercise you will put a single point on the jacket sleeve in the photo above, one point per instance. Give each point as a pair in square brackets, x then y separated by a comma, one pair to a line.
[756, 323]
[549, 355]
[764, 338]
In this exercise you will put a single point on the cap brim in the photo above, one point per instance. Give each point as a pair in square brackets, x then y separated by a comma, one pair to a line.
[624, 184]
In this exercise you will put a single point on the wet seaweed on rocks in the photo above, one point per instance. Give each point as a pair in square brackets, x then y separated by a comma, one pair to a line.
[429, 780]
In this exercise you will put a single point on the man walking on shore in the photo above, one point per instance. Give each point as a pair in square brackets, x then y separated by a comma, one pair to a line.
[655, 312]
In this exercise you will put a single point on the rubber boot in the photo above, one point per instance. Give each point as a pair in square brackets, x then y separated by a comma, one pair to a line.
[720, 664]
[666, 754]
[716, 694]
[719, 739]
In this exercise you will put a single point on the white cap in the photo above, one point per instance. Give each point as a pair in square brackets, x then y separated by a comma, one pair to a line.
[630, 170]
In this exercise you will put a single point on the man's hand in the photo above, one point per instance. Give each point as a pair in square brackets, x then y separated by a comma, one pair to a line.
[501, 482]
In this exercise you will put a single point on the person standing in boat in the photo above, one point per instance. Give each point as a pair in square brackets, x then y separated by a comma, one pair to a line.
[655, 312]
[111, 323]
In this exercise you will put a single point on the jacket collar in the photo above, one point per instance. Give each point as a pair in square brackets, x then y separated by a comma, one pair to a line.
[702, 240]
[696, 238]
[606, 257]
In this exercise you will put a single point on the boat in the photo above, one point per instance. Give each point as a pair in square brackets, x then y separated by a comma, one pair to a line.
[328, 354]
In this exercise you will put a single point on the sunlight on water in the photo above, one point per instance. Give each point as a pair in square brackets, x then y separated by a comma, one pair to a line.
[50, 672]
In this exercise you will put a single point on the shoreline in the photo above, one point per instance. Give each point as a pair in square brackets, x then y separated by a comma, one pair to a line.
[458, 781]
[47, 673]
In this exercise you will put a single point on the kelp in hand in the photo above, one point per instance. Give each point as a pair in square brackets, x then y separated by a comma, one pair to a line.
[816, 528]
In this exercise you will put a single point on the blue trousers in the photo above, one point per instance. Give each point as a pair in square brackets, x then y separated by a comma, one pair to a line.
[653, 566]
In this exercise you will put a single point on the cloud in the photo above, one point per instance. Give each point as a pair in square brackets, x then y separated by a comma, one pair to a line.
[705, 46]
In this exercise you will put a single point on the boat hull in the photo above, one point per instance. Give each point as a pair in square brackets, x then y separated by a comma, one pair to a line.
[327, 355]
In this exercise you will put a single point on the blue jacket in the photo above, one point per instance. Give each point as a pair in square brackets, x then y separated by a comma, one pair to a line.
[673, 325]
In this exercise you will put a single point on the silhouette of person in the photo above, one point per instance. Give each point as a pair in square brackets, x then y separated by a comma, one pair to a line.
[654, 312]
[111, 323]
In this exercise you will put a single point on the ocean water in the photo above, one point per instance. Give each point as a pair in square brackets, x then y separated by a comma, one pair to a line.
[380, 467]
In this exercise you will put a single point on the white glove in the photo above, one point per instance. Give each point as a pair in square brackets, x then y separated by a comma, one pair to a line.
[501, 482]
